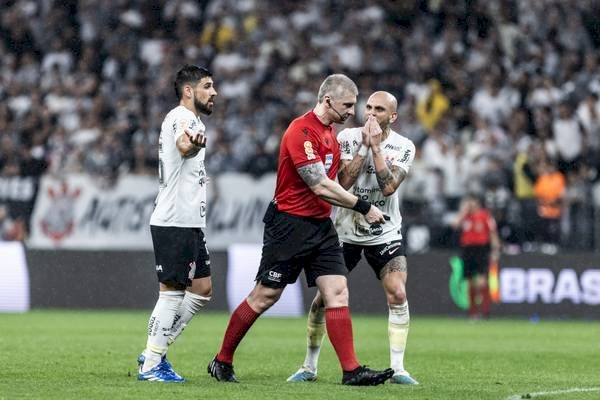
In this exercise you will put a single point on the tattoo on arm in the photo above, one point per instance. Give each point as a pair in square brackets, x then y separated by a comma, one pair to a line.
[393, 177]
[352, 169]
[349, 172]
[312, 174]
[397, 264]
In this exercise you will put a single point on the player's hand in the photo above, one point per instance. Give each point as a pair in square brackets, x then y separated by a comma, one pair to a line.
[366, 133]
[375, 132]
[375, 216]
[196, 139]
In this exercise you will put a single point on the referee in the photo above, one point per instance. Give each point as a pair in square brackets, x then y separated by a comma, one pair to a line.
[299, 234]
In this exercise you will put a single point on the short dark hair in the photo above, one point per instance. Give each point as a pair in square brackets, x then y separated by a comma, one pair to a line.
[189, 74]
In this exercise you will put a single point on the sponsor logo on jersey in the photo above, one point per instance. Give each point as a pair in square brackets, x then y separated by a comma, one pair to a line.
[308, 149]
[375, 230]
[405, 156]
[159, 268]
[392, 147]
[328, 161]
[345, 147]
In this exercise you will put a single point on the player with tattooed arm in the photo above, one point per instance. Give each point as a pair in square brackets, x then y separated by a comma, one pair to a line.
[375, 160]
[299, 233]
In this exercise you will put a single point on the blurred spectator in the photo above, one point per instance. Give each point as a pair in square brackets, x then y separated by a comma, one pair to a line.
[432, 106]
[570, 139]
[549, 191]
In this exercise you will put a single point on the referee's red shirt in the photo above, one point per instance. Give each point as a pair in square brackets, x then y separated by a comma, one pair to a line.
[476, 228]
[305, 141]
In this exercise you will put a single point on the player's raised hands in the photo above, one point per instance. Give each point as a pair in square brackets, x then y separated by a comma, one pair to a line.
[375, 131]
[366, 133]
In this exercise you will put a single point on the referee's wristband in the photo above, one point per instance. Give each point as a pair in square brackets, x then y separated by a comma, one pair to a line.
[362, 206]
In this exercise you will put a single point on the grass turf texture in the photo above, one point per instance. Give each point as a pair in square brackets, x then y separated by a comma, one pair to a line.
[92, 355]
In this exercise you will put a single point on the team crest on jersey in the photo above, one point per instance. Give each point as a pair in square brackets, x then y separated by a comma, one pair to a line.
[308, 149]
[328, 161]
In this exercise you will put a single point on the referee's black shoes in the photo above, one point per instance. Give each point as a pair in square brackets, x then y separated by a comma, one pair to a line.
[223, 372]
[363, 376]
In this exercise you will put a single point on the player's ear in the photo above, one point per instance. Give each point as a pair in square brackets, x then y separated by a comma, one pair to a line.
[393, 117]
[188, 90]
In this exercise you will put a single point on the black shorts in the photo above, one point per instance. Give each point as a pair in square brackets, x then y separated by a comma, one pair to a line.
[292, 243]
[476, 260]
[180, 253]
[377, 256]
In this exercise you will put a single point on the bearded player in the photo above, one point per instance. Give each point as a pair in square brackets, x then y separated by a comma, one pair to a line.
[182, 261]
[375, 160]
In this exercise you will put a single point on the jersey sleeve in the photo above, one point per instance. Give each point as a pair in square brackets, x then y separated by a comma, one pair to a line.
[185, 121]
[302, 145]
[346, 148]
[406, 158]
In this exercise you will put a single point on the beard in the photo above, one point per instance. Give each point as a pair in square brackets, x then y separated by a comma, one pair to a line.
[204, 108]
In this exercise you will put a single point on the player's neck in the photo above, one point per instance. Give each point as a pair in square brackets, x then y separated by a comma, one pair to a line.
[385, 134]
[190, 106]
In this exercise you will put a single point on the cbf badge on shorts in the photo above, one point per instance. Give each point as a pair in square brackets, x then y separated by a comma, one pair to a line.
[328, 161]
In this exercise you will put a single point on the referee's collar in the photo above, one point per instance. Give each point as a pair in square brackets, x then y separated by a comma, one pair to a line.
[312, 115]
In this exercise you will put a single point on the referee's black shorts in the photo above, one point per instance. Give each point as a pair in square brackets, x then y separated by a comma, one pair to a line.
[292, 243]
[476, 260]
[180, 253]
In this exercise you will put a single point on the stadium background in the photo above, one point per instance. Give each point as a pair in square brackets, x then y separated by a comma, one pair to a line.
[490, 92]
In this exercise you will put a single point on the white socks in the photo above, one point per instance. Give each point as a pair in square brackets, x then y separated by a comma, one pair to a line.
[398, 322]
[314, 338]
[159, 326]
[191, 304]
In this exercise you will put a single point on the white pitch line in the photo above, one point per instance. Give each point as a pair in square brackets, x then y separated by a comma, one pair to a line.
[551, 393]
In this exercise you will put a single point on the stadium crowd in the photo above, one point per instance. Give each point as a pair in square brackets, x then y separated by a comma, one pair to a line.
[501, 98]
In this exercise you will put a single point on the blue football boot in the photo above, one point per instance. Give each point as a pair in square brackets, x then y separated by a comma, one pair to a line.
[163, 372]
[303, 375]
[403, 379]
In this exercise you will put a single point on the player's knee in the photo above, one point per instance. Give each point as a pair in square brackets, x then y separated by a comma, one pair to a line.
[396, 295]
[262, 300]
[336, 296]
[204, 292]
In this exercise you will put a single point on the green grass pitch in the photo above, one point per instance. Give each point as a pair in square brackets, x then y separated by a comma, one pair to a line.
[92, 355]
